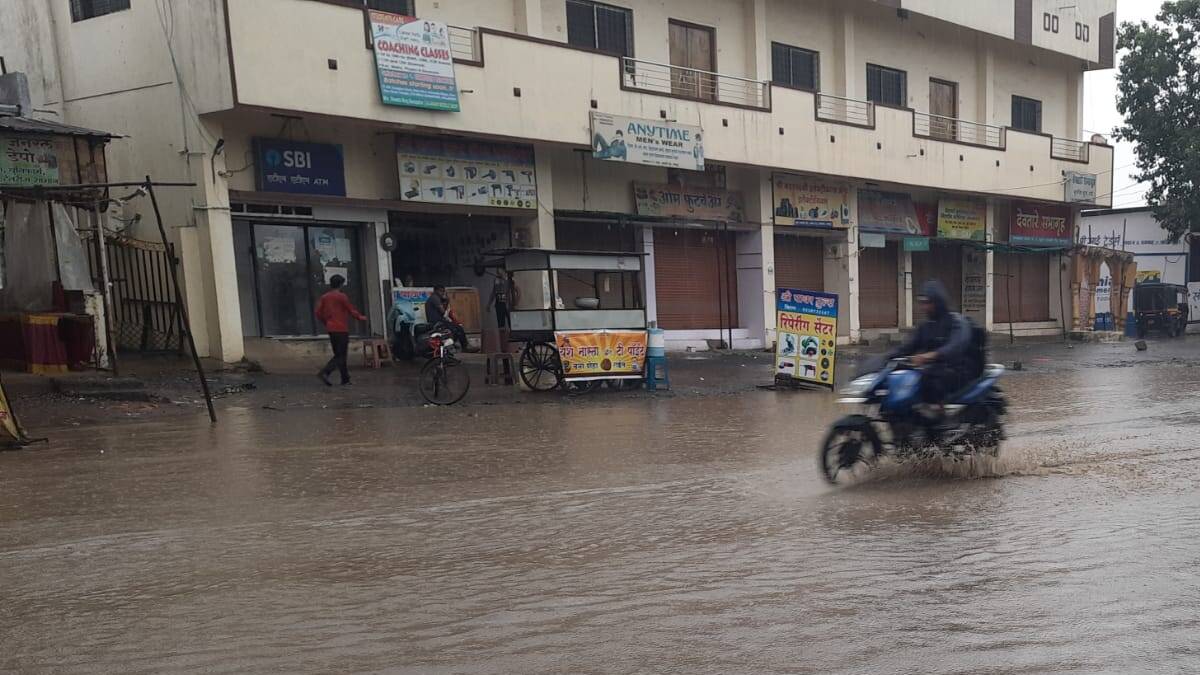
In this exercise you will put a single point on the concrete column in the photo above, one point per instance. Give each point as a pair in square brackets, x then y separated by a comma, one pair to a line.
[758, 47]
[989, 313]
[648, 274]
[758, 209]
[852, 260]
[985, 78]
[538, 231]
[214, 284]
[1074, 91]
[527, 16]
[906, 288]
[845, 61]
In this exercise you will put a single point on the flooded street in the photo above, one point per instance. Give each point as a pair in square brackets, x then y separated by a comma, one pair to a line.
[610, 536]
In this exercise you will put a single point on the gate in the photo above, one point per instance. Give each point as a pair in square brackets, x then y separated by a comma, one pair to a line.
[145, 315]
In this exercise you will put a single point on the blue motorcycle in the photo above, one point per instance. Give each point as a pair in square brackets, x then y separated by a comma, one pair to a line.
[901, 426]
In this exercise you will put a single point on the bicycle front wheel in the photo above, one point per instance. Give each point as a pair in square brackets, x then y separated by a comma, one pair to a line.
[444, 381]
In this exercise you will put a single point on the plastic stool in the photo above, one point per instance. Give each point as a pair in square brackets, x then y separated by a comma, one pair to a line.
[376, 352]
[495, 375]
[655, 364]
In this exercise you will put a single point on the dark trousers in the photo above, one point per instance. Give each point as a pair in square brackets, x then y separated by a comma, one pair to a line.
[341, 346]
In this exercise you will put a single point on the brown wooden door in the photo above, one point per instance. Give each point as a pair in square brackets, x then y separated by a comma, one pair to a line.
[944, 263]
[879, 287]
[799, 263]
[943, 104]
[1021, 292]
[691, 270]
[693, 48]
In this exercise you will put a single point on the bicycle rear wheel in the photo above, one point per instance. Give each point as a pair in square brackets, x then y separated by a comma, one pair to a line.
[444, 381]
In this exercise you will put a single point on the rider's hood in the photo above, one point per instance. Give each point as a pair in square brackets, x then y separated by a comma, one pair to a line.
[936, 292]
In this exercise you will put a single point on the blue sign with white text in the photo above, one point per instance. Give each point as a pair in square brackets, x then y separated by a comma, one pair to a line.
[300, 168]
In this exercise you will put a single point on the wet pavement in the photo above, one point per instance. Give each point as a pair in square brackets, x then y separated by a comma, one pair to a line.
[620, 534]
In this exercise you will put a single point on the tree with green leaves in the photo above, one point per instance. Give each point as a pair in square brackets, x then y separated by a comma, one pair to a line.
[1159, 95]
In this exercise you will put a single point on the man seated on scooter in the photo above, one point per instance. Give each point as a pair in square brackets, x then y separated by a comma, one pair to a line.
[941, 345]
[439, 316]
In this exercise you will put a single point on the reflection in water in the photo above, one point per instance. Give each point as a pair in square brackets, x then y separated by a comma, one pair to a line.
[677, 535]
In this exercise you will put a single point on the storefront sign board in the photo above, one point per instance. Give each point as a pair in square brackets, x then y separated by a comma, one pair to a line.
[413, 62]
[656, 143]
[299, 168]
[807, 202]
[410, 302]
[895, 213]
[601, 354]
[1080, 187]
[806, 328]
[678, 201]
[1041, 225]
[872, 240]
[974, 284]
[915, 244]
[962, 219]
[28, 160]
[446, 171]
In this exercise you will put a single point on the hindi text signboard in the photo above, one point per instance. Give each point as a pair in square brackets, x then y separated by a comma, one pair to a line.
[679, 201]
[601, 354]
[962, 219]
[28, 160]
[807, 202]
[1041, 225]
[806, 328]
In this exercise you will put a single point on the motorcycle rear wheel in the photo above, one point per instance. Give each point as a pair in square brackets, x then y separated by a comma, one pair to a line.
[850, 446]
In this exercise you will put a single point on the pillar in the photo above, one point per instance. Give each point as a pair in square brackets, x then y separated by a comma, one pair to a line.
[985, 78]
[845, 60]
[648, 274]
[906, 288]
[989, 263]
[527, 17]
[758, 47]
[1074, 90]
[759, 210]
[537, 231]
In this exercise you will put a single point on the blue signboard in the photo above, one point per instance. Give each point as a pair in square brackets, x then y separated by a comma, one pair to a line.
[300, 168]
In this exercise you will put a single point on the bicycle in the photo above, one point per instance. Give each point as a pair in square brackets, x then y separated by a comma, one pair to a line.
[444, 379]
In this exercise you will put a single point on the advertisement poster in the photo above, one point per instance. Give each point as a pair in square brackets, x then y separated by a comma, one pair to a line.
[627, 139]
[808, 202]
[413, 62]
[28, 161]
[444, 171]
[1080, 187]
[410, 302]
[678, 201]
[600, 354]
[1041, 225]
[300, 168]
[806, 327]
[895, 213]
[961, 219]
[974, 284]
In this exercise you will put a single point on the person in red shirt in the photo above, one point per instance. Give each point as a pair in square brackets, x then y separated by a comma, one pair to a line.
[334, 310]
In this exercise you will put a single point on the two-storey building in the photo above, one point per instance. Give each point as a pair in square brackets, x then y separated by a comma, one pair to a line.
[852, 146]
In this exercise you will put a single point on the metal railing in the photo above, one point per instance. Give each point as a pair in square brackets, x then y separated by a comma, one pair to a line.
[944, 128]
[1064, 148]
[464, 43]
[701, 85]
[846, 110]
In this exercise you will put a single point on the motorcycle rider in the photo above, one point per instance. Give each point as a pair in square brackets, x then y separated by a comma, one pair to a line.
[941, 345]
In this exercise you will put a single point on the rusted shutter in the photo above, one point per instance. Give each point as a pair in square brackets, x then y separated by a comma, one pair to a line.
[944, 263]
[878, 287]
[691, 270]
[799, 262]
[1021, 292]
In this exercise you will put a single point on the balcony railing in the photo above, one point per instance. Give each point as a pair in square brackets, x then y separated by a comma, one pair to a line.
[845, 110]
[464, 44]
[690, 83]
[1064, 148]
[943, 128]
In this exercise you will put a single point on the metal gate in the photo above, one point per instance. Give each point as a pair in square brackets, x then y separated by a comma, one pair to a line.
[145, 315]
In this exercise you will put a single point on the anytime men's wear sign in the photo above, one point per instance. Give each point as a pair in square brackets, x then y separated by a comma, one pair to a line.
[601, 354]
[677, 201]
[443, 171]
[807, 202]
[895, 213]
[413, 62]
[806, 326]
[961, 219]
[28, 160]
[627, 139]
[301, 168]
[1041, 225]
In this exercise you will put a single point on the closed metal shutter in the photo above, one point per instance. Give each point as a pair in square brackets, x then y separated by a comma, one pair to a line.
[944, 263]
[799, 262]
[691, 270]
[879, 287]
[1021, 292]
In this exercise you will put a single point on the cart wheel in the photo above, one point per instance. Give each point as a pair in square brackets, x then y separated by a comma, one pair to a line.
[541, 369]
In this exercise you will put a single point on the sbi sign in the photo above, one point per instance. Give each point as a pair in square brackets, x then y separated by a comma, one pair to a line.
[299, 168]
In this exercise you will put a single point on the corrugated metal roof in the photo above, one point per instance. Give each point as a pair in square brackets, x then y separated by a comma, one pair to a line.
[27, 125]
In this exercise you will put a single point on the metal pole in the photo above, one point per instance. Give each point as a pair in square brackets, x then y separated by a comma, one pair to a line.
[106, 292]
[1062, 311]
[187, 326]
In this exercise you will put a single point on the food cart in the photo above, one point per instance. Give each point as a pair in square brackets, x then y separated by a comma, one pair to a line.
[581, 315]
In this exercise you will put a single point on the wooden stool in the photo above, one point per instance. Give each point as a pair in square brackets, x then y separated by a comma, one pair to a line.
[375, 352]
[493, 373]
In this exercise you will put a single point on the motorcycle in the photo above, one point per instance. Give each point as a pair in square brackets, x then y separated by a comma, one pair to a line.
[971, 423]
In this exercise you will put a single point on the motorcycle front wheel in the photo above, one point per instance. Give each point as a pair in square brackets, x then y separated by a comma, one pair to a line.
[851, 446]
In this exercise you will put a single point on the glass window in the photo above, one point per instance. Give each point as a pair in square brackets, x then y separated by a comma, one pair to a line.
[394, 6]
[88, 9]
[598, 26]
[887, 85]
[292, 268]
[1026, 114]
[794, 67]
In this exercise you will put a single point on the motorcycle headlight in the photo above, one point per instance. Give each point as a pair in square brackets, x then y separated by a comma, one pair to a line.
[859, 387]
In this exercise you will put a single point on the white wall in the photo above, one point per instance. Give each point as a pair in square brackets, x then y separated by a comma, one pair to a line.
[1139, 233]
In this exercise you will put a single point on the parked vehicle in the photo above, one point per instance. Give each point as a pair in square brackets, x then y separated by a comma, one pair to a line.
[1162, 307]
[444, 379]
[972, 422]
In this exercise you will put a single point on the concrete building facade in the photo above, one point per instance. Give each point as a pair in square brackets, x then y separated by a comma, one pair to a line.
[907, 113]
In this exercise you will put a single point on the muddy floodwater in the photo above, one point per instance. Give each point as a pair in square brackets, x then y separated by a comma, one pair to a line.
[677, 535]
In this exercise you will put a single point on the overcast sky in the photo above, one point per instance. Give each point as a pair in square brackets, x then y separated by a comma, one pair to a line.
[1100, 111]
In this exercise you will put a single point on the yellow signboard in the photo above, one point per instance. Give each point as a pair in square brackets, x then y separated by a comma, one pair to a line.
[806, 324]
[961, 219]
[11, 432]
[601, 354]
[801, 201]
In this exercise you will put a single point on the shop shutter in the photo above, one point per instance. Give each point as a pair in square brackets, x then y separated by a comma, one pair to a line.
[691, 268]
[944, 263]
[878, 287]
[1025, 278]
[799, 262]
